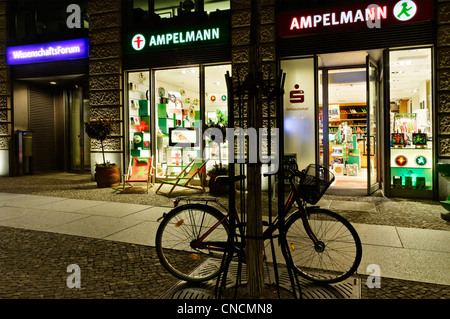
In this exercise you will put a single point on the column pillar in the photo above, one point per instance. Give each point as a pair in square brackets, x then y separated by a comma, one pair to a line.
[443, 89]
[6, 120]
[105, 75]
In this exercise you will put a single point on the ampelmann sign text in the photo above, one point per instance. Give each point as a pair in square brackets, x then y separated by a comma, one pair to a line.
[330, 19]
[176, 37]
[353, 17]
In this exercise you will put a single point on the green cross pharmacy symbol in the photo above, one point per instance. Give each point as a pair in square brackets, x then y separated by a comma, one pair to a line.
[405, 10]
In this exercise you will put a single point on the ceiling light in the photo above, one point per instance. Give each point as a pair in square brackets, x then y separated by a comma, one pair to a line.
[53, 82]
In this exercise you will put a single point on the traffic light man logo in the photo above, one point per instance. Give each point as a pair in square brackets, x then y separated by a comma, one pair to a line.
[138, 42]
[405, 10]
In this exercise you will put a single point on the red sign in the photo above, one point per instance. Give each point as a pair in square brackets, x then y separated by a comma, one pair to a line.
[297, 96]
[355, 16]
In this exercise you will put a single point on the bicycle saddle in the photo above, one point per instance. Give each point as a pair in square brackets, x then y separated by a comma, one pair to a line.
[224, 180]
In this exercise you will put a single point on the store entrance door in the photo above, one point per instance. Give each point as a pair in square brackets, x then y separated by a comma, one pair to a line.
[79, 142]
[348, 126]
[372, 115]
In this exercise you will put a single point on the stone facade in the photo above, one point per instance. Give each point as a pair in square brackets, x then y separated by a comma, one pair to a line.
[105, 73]
[443, 77]
[443, 90]
[5, 94]
[241, 14]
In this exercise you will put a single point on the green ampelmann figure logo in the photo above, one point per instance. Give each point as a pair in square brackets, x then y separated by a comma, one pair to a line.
[405, 10]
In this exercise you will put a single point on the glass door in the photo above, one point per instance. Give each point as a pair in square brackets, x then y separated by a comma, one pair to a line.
[344, 100]
[372, 107]
[79, 142]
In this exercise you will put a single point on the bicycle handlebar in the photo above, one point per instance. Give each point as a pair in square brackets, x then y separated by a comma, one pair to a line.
[291, 170]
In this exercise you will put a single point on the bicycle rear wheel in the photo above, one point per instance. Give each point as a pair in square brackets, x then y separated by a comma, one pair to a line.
[338, 253]
[190, 235]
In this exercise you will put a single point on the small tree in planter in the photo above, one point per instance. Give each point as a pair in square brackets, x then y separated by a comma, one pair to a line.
[106, 174]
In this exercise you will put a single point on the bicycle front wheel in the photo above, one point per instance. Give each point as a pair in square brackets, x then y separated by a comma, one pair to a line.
[190, 235]
[338, 252]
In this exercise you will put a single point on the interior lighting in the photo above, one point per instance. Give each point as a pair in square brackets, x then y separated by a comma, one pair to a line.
[421, 160]
[401, 160]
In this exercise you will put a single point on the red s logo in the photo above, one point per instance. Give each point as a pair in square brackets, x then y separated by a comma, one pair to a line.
[297, 96]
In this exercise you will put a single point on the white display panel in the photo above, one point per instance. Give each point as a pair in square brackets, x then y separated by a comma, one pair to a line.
[299, 110]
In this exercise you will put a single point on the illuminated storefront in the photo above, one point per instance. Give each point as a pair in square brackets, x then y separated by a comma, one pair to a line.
[360, 94]
[175, 89]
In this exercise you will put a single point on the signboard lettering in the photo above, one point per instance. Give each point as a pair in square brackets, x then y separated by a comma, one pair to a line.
[357, 16]
[47, 52]
[167, 39]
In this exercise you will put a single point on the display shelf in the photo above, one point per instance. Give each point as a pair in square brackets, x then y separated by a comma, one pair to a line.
[353, 113]
[139, 121]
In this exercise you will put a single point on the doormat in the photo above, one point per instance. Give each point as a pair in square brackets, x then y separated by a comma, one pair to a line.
[357, 184]
[346, 289]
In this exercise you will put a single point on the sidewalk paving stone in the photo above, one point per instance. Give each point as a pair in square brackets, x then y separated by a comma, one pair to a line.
[113, 242]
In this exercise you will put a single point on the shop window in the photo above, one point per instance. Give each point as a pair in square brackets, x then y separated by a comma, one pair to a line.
[180, 108]
[139, 114]
[140, 5]
[216, 113]
[170, 9]
[411, 114]
[178, 120]
[321, 119]
[214, 6]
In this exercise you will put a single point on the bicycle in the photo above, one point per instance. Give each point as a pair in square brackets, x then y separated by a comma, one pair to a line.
[324, 246]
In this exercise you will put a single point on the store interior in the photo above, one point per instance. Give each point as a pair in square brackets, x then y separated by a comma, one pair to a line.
[411, 128]
[180, 106]
[187, 99]
[347, 126]
[343, 76]
[410, 119]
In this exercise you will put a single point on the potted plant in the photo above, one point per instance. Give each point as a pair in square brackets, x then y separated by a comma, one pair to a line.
[214, 187]
[106, 174]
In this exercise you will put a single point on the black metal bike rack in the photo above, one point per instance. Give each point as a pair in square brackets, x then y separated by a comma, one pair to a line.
[273, 91]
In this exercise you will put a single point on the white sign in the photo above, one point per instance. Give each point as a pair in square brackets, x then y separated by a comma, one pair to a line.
[299, 110]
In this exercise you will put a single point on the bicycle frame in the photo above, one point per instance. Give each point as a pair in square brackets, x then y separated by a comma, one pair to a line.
[200, 243]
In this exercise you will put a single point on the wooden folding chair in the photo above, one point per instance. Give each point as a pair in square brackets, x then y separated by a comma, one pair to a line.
[140, 170]
[194, 168]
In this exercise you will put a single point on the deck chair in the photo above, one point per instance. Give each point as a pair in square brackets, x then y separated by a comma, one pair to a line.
[140, 170]
[194, 168]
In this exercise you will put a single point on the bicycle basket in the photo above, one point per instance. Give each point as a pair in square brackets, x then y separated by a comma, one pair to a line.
[312, 183]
